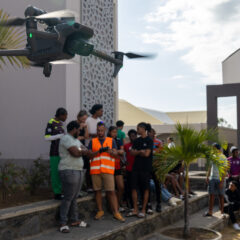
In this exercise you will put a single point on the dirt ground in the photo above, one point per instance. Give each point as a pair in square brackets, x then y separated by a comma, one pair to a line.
[24, 197]
[229, 233]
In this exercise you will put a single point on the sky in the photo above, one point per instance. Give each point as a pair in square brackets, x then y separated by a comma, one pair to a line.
[190, 38]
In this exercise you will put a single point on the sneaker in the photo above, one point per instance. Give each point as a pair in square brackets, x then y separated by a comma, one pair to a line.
[119, 217]
[176, 200]
[82, 194]
[121, 209]
[172, 203]
[236, 226]
[158, 207]
[99, 215]
[58, 196]
[90, 190]
[149, 211]
[181, 197]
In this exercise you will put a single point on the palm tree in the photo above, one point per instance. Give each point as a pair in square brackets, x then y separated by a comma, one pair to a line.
[11, 38]
[192, 145]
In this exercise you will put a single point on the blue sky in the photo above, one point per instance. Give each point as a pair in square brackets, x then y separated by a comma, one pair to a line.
[191, 39]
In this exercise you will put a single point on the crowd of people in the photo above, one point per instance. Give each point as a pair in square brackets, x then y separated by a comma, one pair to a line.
[225, 188]
[103, 159]
[100, 158]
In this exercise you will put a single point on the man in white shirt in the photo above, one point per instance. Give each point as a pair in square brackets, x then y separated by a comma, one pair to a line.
[97, 112]
[70, 170]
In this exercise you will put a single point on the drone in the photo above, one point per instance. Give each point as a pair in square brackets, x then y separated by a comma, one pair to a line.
[62, 39]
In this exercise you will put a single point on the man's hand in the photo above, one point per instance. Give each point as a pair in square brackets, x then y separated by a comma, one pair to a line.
[207, 180]
[85, 152]
[83, 125]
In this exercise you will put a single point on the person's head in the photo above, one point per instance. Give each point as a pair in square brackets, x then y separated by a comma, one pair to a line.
[97, 110]
[143, 128]
[233, 186]
[112, 132]
[61, 114]
[82, 116]
[170, 139]
[101, 129]
[73, 128]
[132, 134]
[234, 151]
[120, 124]
[216, 146]
[152, 133]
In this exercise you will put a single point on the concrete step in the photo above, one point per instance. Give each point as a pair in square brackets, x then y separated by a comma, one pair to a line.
[133, 228]
[196, 220]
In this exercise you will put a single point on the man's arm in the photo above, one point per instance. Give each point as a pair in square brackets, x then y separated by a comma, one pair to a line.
[75, 152]
[91, 154]
[113, 152]
[48, 133]
[147, 152]
[208, 174]
[53, 137]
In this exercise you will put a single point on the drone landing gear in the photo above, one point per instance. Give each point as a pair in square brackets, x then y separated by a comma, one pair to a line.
[47, 69]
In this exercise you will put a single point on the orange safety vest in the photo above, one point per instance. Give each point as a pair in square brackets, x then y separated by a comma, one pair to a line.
[103, 162]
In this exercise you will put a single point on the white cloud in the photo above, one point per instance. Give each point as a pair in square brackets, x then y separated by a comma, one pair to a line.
[178, 77]
[206, 31]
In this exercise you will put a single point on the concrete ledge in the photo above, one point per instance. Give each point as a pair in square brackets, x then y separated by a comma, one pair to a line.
[31, 219]
[40, 218]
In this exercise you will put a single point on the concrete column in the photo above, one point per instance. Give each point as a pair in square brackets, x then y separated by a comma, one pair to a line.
[212, 121]
[238, 121]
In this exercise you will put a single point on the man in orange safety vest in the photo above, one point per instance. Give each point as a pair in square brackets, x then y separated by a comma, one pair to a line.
[102, 167]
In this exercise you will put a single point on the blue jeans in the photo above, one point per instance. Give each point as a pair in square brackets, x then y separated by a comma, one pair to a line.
[166, 195]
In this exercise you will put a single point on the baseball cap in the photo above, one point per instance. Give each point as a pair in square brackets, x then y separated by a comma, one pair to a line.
[217, 146]
[233, 148]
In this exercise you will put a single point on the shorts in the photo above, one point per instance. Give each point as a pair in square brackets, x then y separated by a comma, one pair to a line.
[140, 180]
[103, 179]
[213, 187]
[118, 172]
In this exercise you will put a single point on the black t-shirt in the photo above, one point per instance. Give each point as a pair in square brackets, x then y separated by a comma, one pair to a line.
[233, 196]
[143, 164]
[82, 134]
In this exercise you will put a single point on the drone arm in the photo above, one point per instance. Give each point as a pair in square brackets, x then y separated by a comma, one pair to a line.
[106, 57]
[15, 52]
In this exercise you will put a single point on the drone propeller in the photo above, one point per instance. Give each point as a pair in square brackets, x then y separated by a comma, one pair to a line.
[134, 55]
[13, 22]
[60, 62]
[62, 14]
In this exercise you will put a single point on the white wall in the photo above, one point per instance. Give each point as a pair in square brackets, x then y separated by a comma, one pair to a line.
[28, 100]
[231, 68]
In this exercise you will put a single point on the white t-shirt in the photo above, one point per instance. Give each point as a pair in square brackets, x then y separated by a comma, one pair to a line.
[92, 124]
[171, 145]
[67, 161]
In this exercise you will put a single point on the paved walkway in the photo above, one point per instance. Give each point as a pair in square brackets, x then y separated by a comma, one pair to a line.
[97, 229]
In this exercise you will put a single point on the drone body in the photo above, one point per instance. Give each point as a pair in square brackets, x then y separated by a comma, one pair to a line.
[61, 40]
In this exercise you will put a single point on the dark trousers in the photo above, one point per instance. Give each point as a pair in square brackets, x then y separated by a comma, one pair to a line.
[129, 189]
[230, 210]
[157, 189]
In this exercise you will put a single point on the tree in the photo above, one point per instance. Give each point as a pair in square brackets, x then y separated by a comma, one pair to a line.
[192, 145]
[224, 123]
[11, 38]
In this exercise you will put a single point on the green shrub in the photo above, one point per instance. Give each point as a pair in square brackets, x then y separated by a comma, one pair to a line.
[9, 177]
[35, 177]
